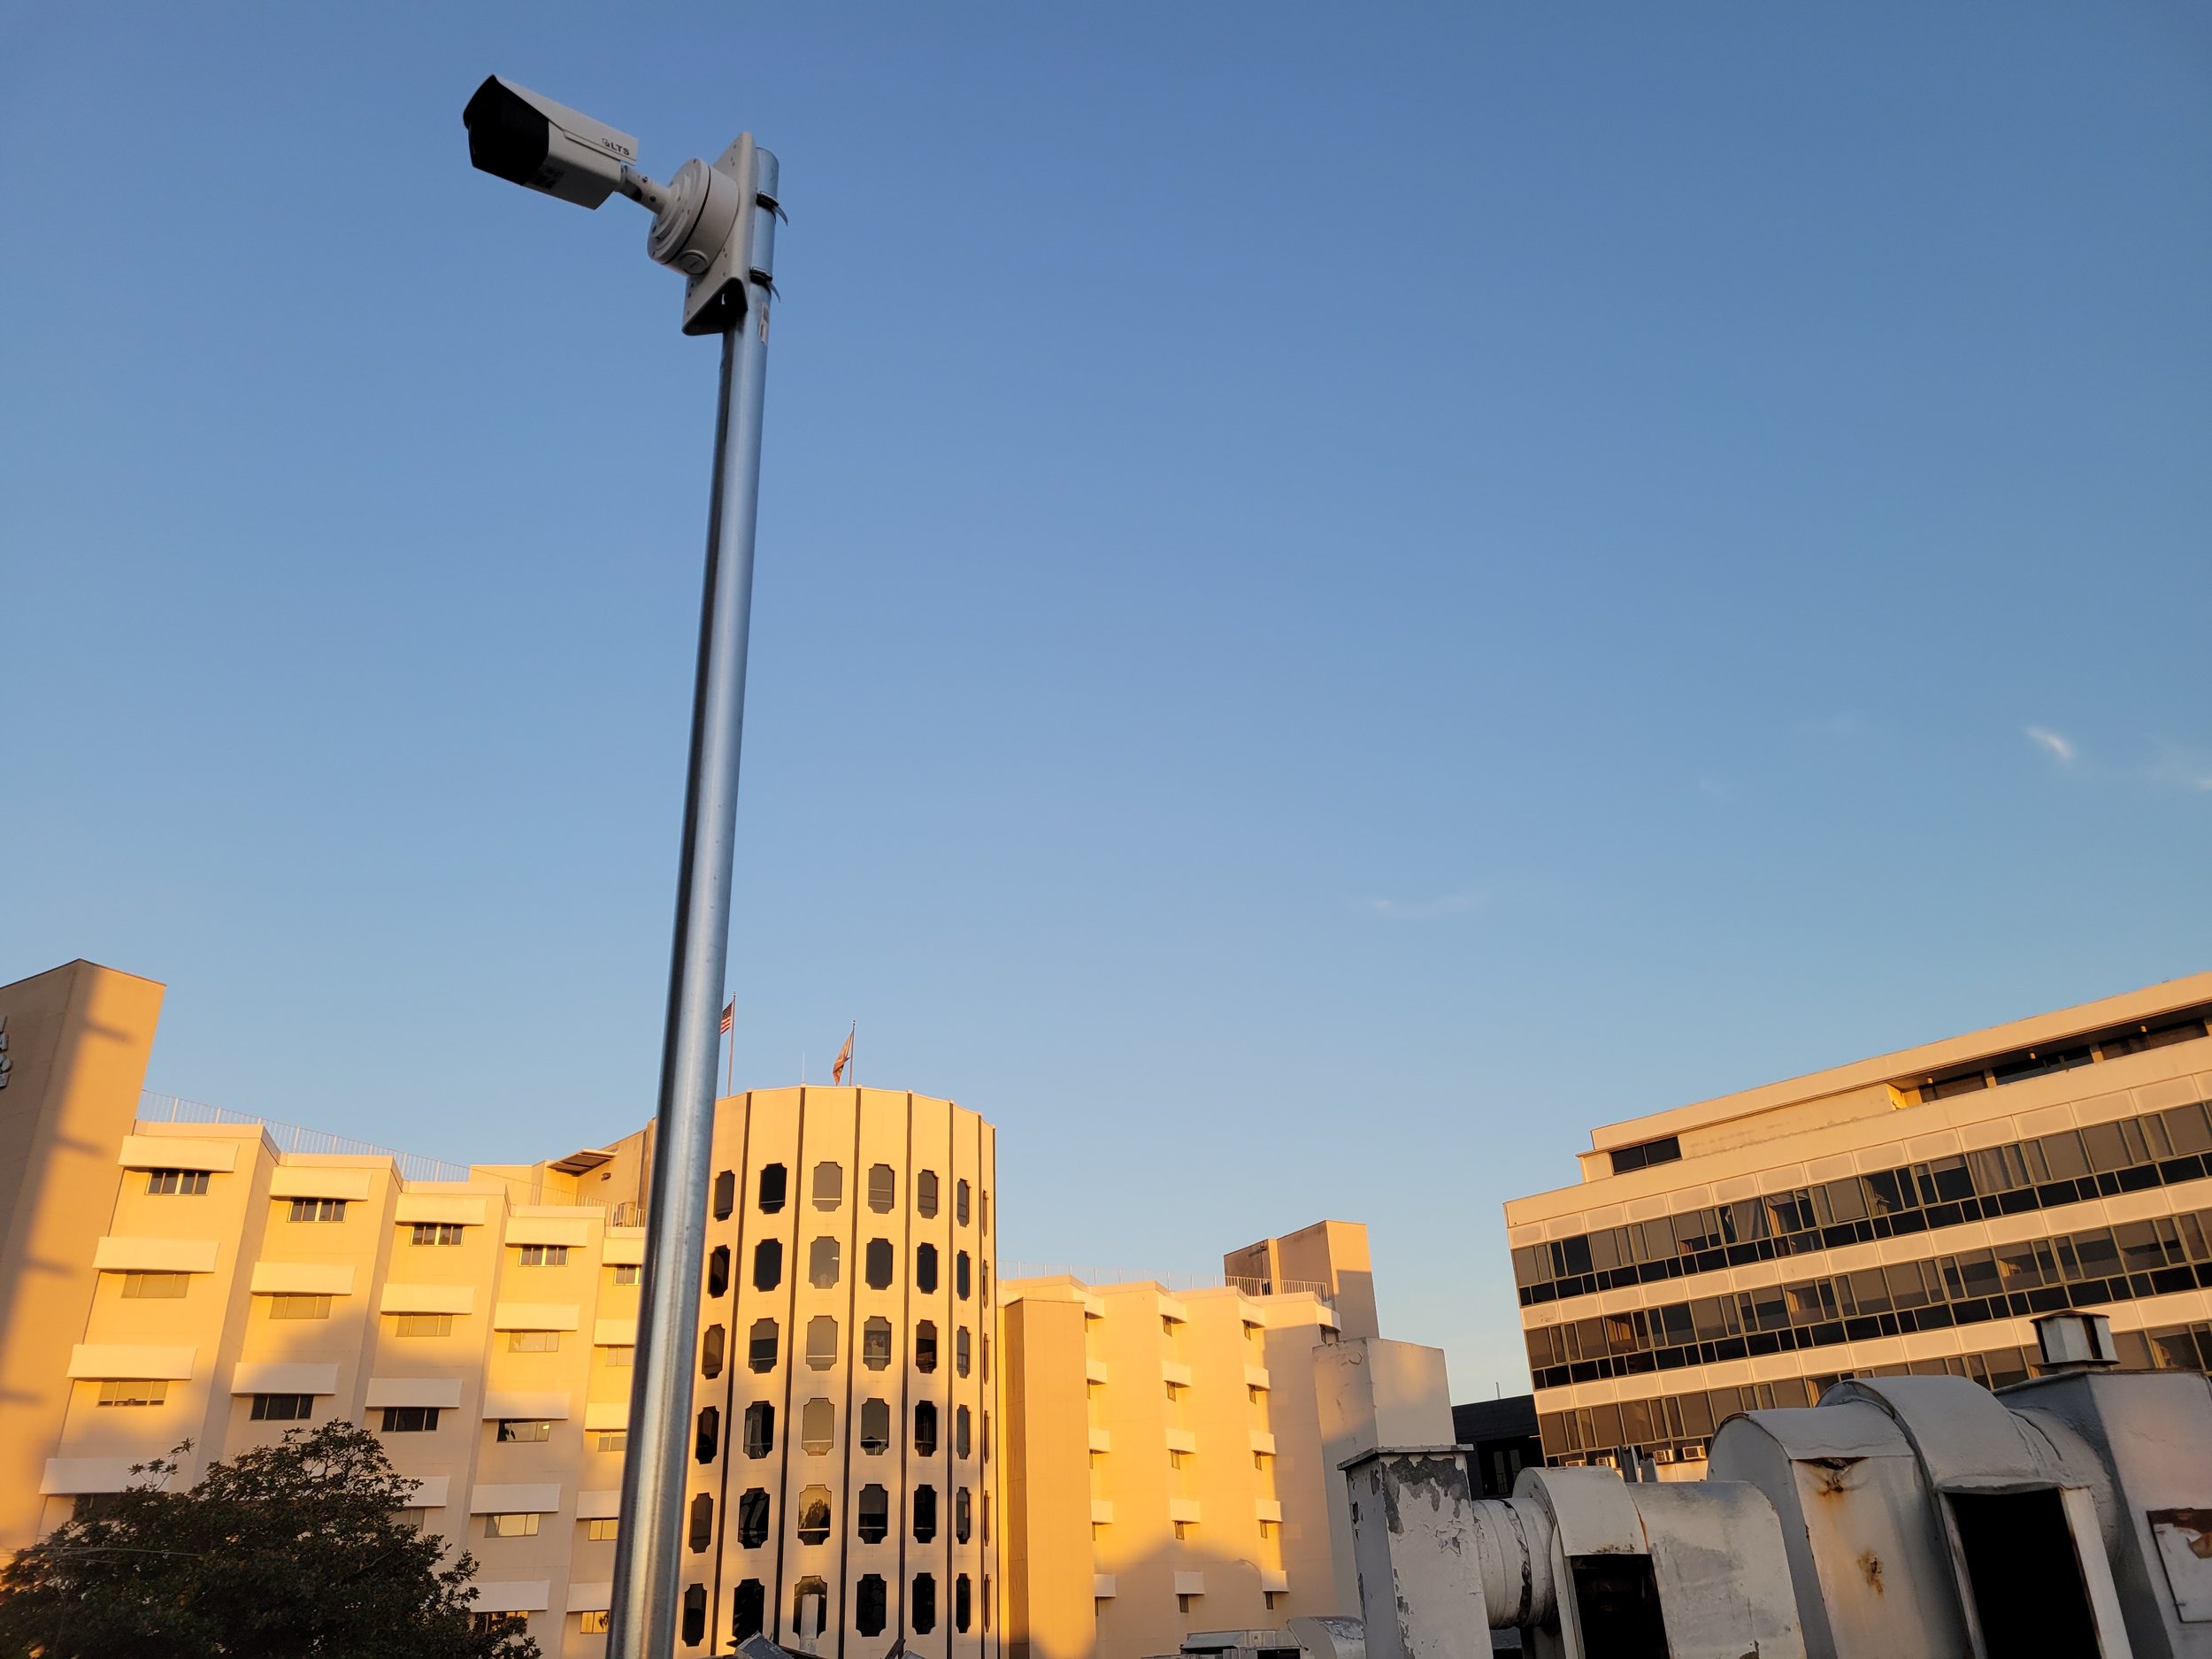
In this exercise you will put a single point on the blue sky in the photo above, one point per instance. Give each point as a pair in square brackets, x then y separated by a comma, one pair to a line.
[1343, 594]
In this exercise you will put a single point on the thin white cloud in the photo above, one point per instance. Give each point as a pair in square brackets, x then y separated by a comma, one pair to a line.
[2179, 767]
[1425, 909]
[2059, 749]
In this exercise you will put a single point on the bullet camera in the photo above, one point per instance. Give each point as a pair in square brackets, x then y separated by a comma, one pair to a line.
[517, 135]
[715, 224]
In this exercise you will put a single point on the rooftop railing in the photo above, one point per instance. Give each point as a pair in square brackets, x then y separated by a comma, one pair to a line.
[1174, 1282]
[174, 1108]
[413, 1167]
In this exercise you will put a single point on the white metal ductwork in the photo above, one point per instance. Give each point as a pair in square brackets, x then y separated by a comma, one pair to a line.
[1903, 1517]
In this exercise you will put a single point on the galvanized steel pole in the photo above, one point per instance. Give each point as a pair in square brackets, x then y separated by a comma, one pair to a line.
[642, 1621]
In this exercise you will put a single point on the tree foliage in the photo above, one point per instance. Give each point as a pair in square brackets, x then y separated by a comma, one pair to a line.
[288, 1550]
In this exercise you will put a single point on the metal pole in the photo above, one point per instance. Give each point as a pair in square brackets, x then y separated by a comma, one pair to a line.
[642, 1621]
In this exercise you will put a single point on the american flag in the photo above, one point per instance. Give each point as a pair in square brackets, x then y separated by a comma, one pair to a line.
[729, 1014]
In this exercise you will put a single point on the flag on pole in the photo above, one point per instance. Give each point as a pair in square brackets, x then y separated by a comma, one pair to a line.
[729, 1014]
[844, 1057]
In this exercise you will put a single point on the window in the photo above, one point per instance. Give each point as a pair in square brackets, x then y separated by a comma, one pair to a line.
[601, 1530]
[817, 1427]
[962, 1607]
[592, 1621]
[875, 1427]
[829, 1185]
[749, 1608]
[821, 1342]
[961, 1283]
[986, 1356]
[983, 1221]
[774, 1180]
[718, 1271]
[814, 1516]
[768, 1264]
[725, 1195]
[925, 1429]
[621, 1357]
[761, 1355]
[963, 1515]
[960, 1202]
[155, 1286]
[318, 1209]
[695, 1620]
[178, 1183]
[960, 1424]
[134, 1392]
[299, 1307]
[983, 1272]
[435, 1232]
[878, 1264]
[752, 1518]
[875, 1343]
[760, 1428]
[925, 1346]
[926, 1269]
[924, 1515]
[926, 1194]
[823, 1259]
[809, 1607]
[922, 1604]
[283, 1408]
[525, 1430]
[883, 1188]
[510, 1526]
[706, 1437]
[423, 1324]
[614, 1440]
[410, 1419]
[533, 1341]
[700, 1532]
[490, 1623]
[710, 1346]
[545, 1256]
[874, 1515]
[1186, 1530]
[625, 1272]
[1666, 1150]
[869, 1616]
[960, 1351]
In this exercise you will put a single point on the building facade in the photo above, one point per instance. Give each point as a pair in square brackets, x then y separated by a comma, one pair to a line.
[1174, 1472]
[166, 1281]
[1908, 1213]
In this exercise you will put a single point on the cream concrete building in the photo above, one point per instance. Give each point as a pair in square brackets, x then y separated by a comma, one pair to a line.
[214, 1281]
[1174, 1468]
[1905, 1213]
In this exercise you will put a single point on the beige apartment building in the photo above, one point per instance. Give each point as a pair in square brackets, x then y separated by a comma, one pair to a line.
[1175, 1470]
[1906, 1213]
[173, 1273]
[162, 1281]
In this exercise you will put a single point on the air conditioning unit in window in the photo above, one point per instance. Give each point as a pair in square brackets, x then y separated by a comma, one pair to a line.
[1663, 1455]
[1693, 1453]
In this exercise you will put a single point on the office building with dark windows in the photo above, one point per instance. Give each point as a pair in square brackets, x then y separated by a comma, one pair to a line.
[1910, 1213]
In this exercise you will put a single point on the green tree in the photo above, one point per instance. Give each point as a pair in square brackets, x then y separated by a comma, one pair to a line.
[288, 1550]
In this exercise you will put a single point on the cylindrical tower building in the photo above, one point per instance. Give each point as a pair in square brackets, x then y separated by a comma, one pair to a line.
[844, 1465]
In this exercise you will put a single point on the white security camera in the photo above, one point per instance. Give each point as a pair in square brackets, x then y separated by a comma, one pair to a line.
[703, 223]
[518, 136]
